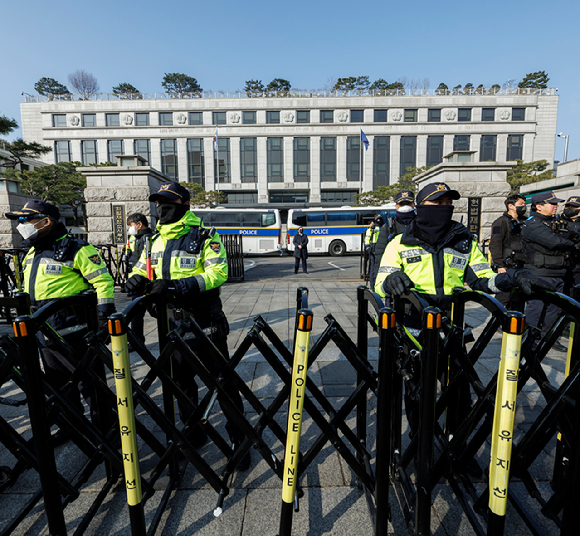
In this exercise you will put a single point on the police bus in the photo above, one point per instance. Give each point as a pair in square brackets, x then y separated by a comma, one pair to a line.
[261, 228]
[334, 230]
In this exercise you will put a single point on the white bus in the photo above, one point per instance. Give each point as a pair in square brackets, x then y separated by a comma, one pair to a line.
[334, 230]
[261, 228]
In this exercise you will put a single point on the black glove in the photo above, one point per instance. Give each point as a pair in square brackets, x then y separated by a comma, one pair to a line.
[527, 282]
[397, 284]
[105, 311]
[163, 286]
[574, 236]
[136, 285]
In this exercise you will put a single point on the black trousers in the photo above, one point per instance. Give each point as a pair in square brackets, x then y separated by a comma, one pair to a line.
[297, 264]
[535, 308]
[137, 326]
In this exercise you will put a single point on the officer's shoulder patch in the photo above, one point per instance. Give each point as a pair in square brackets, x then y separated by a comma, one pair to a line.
[215, 246]
[95, 259]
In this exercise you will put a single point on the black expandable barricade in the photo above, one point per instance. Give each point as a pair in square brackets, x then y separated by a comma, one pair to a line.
[235, 251]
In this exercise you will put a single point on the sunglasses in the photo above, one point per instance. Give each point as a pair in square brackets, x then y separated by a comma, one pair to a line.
[25, 219]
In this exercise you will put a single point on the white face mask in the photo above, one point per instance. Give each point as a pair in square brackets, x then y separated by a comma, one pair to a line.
[27, 230]
[133, 231]
[405, 208]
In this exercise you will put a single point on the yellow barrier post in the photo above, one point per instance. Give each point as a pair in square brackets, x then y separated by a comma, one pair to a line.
[503, 420]
[126, 412]
[297, 393]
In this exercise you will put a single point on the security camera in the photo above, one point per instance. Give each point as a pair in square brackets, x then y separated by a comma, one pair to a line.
[22, 92]
[560, 135]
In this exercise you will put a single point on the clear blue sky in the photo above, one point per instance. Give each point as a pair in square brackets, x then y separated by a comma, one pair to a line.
[225, 43]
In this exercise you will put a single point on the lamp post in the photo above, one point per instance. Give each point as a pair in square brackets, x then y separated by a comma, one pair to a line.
[565, 136]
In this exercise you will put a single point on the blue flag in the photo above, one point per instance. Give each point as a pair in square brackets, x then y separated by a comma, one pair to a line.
[364, 139]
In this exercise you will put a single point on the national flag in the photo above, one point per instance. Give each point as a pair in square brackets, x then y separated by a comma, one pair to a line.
[215, 144]
[364, 139]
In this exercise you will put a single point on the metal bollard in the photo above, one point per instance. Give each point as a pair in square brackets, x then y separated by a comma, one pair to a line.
[384, 407]
[126, 411]
[25, 333]
[299, 371]
[503, 420]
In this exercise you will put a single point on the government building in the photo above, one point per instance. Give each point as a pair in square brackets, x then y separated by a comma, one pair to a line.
[297, 147]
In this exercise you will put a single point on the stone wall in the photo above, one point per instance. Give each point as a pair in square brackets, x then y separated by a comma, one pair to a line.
[129, 186]
[10, 201]
[487, 180]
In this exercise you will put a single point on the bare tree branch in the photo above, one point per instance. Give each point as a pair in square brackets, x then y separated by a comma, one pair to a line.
[85, 83]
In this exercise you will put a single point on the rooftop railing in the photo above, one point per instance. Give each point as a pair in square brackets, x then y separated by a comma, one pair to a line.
[295, 93]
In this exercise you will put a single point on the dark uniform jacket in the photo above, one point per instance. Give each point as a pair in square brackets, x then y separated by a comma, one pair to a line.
[547, 252]
[505, 245]
[139, 245]
[575, 253]
[300, 240]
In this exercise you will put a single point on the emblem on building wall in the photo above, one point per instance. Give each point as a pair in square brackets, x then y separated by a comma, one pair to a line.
[74, 121]
[127, 119]
[504, 115]
[234, 118]
[396, 115]
[450, 115]
[288, 117]
[342, 117]
[181, 119]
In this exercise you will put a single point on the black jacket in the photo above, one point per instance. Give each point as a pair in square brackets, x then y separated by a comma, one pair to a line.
[300, 240]
[505, 245]
[575, 257]
[390, 229]
[547, 252]
[139, 245]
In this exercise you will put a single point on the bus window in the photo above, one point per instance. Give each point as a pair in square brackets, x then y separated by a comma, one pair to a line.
[299, 219]
[206, 219]
[341, 218]
[226, 219]
[268, 219]
[314, 219]
[250, 219]
[365, 217]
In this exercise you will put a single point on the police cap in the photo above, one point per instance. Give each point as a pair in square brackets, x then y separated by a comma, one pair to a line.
[405, 196]
[573, 201]
[35, 209]
[436, 190]
[546, 197]
[172, 191]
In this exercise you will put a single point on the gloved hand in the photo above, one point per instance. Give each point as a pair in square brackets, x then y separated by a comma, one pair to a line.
[105, 311]
[574, 236]
[136, 285]
[527, 282]
[163, 286]
[397, 284]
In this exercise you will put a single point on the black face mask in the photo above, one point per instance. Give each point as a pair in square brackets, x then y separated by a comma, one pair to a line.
[521, 210]
[571, 212]
[171, 212]
[434, 221]
[405, 217]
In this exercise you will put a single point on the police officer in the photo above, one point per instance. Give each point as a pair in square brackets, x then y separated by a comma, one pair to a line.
[548, 250]
[404, 214]
[571, 217]
[56, 266]
[300, 242]
[189, 265]
[435, 254]
[371, 237]
[505, 245]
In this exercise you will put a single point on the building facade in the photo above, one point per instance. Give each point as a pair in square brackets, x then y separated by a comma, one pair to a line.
[302, 147]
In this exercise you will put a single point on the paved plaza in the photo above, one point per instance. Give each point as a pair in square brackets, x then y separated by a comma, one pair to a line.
[332, 503]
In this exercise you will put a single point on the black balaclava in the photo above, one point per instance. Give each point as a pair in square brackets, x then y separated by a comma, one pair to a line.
[433, 222]
[405, 217]
[171, 212]
[521, 210]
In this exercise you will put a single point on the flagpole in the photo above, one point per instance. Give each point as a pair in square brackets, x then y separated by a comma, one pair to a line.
[361, 162]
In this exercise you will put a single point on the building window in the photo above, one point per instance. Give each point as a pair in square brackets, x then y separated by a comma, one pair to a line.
[338, 196]
[112, 120]
[59, 120]
[169, 158]
[165, 119]
[249, 118]
[357, 116]
[353, 158]
[488, 114]
[273, 118]
[89, 120]
[195, 165]
[518, 114]
[303, 116]
[464, 114]
[381, 160]
[434, 150]
[248, 160]
[275, 156]
[380, 116]
[408, 153]
[301, 159]
[62, 151]
[142, 119]
[328, 159]
[289, 197]
[219, 118]
[515, 147]
[195, 118]
[114, 148]
[326, 116]
[143, 149]
[434, 115]
[410, 116]
[89, 152]
[245, 198]
[461, 143]
[223, 155]
[487, 148]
